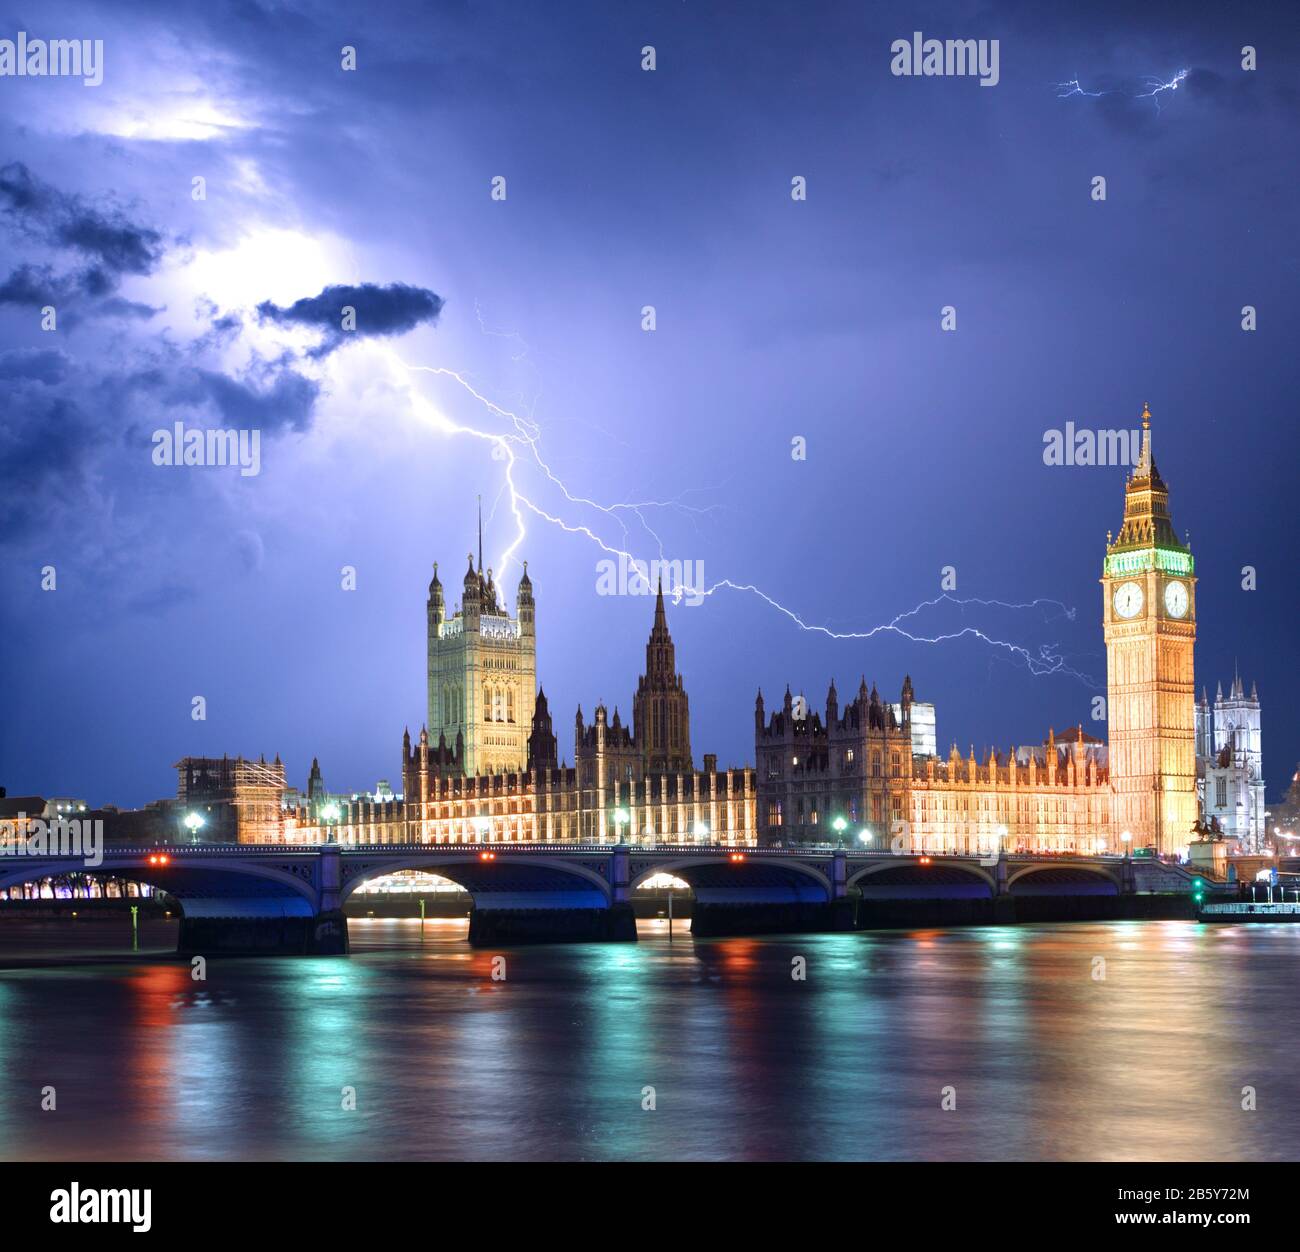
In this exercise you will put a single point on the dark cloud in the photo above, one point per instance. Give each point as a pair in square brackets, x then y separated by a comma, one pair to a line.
[380, 311]
[268, 397]
[63, 220]
[74, 296]
[114, 245]
[47, 441]
[222, 328]
[287, 402]
[34, 284]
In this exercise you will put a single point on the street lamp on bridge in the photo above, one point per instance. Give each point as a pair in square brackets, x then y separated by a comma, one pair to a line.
[329, 815]
[621, 819]
[193, 822]
[840, 825]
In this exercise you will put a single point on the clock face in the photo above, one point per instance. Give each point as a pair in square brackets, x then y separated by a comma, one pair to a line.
[1176, 599]
[1128, 600]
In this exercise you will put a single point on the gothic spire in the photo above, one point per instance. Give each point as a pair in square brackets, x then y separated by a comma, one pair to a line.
[1145, 466]
[1147, 523]
[660, 710]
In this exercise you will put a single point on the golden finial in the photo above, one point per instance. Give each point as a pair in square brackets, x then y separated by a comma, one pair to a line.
[1146, 416]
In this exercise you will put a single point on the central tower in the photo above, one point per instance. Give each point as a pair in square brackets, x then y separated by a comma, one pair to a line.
[661, 719]
[483, 671]
[1149, 615]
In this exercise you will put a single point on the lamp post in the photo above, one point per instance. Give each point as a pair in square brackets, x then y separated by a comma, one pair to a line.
[193, 822]
[329, 815]
[701, 831]
[864, 836]
[840, 825]
[1002, 835]
[621, 819]
[1126, 838]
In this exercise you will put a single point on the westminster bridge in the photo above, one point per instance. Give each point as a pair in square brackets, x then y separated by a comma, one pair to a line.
[273, 898]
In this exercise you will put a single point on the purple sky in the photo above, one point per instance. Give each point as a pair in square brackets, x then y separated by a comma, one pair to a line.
[775, 319]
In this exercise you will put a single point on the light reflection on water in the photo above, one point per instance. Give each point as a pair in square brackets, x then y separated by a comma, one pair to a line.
[1047, 1060]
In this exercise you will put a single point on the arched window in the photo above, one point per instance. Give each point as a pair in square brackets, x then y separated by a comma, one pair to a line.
[510, 705]
[487, 703]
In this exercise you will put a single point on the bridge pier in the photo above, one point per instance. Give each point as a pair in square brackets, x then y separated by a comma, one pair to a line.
[330, 925]
[274, 925]
[839, 874]
[241, 933]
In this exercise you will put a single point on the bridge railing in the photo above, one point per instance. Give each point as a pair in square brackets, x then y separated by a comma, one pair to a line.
[676, 849]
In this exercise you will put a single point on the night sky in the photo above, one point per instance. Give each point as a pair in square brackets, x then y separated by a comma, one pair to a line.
[775, 319]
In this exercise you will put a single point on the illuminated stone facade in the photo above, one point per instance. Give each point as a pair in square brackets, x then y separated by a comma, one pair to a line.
[1230, 765]
[482, 672]
[1055, 798]
[858, 777]
[639, 785]
[833, 777]
[1149, 611]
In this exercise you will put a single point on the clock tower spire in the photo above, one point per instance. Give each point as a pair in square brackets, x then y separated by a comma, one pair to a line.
[1149, 616]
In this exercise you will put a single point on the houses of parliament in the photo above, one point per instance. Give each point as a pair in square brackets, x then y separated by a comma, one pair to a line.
[486, 765]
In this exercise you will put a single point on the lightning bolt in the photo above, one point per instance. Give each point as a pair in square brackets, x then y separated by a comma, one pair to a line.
[1065, 90]
[523, 436]
[1155, 88]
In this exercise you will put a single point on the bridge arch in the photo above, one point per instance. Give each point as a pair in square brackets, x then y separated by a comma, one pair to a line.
[201, 885]
[506, 882]
[937, 876]
[756, 879]
[1052, 876]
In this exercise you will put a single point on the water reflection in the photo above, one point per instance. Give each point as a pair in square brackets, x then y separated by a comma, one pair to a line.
[1125, 1040]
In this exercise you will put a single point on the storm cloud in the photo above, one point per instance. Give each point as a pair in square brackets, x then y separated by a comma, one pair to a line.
[380, 311]
[64, 220]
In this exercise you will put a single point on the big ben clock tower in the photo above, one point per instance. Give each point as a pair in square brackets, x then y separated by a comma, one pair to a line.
[1149, 611]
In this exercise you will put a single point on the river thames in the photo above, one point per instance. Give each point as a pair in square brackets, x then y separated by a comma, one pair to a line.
[1045, 1053]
